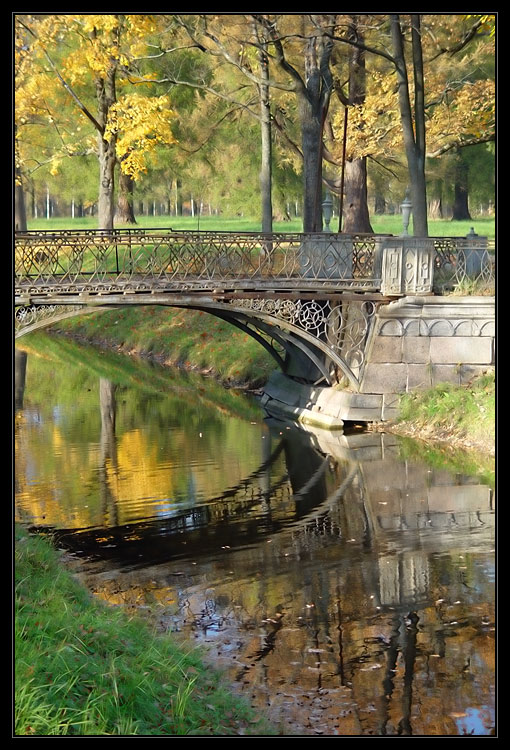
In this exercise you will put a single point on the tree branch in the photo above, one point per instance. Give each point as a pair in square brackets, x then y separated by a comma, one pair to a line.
[461, 144]
[461, 44]
[64, 83]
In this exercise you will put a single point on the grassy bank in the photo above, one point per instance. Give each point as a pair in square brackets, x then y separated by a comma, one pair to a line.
[461, 416]
[83, 668]
[186, 338]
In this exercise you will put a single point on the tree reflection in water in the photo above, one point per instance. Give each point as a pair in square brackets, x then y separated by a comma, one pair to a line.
[345, 589]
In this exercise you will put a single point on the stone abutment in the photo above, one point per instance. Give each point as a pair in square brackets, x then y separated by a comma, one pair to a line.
[414, 343]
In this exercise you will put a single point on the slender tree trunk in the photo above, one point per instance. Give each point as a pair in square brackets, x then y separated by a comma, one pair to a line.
[266, 149]
[266, 176]
[415, 151]
[20, 219]
[125, 213]
[420, 225]
[460, 200]
[20, 212]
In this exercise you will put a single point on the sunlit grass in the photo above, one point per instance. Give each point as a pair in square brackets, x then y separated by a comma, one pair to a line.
[458, 411]
[381, 224]
[84, 668]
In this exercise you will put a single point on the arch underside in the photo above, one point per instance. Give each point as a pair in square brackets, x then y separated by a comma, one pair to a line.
[315, 342]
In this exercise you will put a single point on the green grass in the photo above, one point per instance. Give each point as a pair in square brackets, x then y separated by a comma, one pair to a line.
[84, 668]
[381, 224]
[188, 338]
[456, 411]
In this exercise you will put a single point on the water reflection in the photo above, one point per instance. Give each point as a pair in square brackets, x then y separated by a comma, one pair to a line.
[346, 589]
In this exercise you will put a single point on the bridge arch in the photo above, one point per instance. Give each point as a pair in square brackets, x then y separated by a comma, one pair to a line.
[297, 352]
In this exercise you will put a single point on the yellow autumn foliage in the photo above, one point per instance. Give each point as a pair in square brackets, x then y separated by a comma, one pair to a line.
[97, 48]
[139, 124]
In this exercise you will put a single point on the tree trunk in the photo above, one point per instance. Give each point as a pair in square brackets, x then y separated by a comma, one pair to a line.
[124, 213]
[178, 197]
[314, 100]
[380, 203]
[266, 154]
[460, 200]
[356, 216]
[106, 204]
[311, 134]
[435, 208]
[20, 219]
[266, 177]
[20, 212]
[106, 97]
[435, 204]
[415, 150]
[420, 225]
[313, 93]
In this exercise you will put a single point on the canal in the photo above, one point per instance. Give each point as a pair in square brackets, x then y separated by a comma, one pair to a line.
[344, 585]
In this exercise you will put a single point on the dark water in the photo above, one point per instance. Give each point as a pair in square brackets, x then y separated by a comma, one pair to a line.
[345, 585]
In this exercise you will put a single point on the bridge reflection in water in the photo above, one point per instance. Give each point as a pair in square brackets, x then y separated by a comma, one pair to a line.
[337, 489]
[365, 607]
[346, 588]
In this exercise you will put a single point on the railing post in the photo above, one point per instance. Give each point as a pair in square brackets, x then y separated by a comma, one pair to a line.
[475, 249]
[116, 254]
[378, 257]
[407, 266]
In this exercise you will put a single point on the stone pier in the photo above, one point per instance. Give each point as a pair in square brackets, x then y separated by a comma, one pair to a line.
[414, 342]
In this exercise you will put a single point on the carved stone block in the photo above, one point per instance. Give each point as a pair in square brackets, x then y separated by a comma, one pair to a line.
[407, 266]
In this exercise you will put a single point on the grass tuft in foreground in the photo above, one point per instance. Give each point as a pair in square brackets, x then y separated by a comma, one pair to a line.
[84, 668]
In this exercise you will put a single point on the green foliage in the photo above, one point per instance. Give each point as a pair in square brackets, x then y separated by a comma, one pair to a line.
[218, 154]
[83, 668]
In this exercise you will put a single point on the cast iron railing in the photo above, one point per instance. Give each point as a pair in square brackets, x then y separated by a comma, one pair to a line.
[131, 260]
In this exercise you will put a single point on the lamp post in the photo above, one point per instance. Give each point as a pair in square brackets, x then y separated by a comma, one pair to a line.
[406, 207]
[327, 211]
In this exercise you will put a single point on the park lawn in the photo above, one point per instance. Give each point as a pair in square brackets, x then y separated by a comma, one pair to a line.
[381, 224]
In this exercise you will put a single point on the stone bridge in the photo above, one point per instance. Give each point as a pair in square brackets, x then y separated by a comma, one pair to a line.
[311, 300]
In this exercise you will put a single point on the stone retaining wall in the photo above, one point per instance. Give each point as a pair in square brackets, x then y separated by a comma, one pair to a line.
[418, 342]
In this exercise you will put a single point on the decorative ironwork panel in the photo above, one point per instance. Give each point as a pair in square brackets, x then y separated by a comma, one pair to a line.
[26, 316]
[343, 327]
[459, 259]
